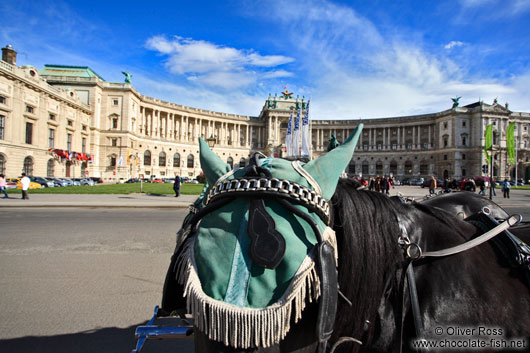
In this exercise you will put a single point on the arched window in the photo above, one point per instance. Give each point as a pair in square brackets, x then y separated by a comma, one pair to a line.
[230, 162]
[379, 168]
[408, 168]
[147, 158]
[424, 169]
[162, 159]
[393, 168]
[191, 160]
[176, 160]
[366, 168]
[242, 163]
[28, 166]
[83, 169]
[351, 168]
[2, 164]
[49, 168]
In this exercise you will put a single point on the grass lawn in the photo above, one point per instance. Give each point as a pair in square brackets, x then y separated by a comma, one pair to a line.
[148, 188]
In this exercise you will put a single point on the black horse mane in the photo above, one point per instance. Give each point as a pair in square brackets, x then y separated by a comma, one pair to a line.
[367, 233]
[367, 226]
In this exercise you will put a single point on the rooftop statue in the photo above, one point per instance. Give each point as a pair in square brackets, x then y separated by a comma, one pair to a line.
[333, 143]
[127, 77]
[455, 101]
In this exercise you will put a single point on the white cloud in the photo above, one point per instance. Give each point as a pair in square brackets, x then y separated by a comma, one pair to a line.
[352, 70]
[453, 44]
[214, 65]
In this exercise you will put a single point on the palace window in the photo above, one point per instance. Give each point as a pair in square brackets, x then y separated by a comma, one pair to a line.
[3, 100]
[114, 142]
[68, 142]
[51, 116]
[463, 156]
[147, 158]
[29, 133]
[51, 138]
[28, 166]
[2, 164]
[162, 159]
[176, 160]
[83, 127]
[191, 161]
[463, 123]
[50, 168]
[2, 127]
[70, 122]
[83, 145]
[115, 102]
[115, 123]
[113, 161]
[242, 163]
[445, 125]
[29, 109]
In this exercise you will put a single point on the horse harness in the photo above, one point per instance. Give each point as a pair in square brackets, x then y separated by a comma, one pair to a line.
[513, 248]
[267, 245]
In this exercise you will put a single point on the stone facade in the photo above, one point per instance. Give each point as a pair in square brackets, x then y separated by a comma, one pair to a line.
[127, 134]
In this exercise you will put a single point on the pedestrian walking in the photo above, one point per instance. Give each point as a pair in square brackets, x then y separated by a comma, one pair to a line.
[432, 186]
[506, 189]
[3, 185]
[25, 186]
[176, 186]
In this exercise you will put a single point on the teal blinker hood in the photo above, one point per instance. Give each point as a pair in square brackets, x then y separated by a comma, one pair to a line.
[218, 271]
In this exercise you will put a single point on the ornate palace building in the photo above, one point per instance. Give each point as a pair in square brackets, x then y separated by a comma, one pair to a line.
[69, 121]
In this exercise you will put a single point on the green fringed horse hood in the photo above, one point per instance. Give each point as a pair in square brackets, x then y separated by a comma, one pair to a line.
[241, 298]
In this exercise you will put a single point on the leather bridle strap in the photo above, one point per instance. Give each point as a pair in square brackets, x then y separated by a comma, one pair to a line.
[513, 220]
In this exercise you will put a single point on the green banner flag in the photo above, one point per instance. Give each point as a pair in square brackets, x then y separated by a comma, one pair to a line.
[488, 143]
[510, 142]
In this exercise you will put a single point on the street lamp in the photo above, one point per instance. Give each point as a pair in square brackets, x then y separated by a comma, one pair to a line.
[211, 141]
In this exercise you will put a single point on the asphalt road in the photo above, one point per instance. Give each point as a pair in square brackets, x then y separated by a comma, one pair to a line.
[81, 279]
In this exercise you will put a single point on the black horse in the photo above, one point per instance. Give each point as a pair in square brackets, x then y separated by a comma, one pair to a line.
[468, 290]
[465, 204]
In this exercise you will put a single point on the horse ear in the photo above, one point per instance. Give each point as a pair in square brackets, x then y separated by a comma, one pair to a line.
[327, 169]
[212, 166]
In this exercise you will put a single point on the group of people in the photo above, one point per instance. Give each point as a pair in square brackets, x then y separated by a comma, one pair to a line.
[25, 181]
[379, 183]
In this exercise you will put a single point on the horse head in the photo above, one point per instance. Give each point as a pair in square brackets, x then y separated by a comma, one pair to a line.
[260, 250]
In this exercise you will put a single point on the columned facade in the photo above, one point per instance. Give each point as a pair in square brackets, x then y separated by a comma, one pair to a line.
[68, 121]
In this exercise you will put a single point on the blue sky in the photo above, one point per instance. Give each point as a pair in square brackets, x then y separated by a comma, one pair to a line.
[356, 59]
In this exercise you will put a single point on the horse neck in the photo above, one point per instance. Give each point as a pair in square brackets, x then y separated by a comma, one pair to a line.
[369, 254]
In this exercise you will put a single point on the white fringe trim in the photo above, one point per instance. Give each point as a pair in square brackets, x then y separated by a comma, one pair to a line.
[242, 327]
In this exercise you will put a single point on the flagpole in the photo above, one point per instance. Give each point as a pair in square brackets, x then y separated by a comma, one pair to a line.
[515, 161]
[491, 167]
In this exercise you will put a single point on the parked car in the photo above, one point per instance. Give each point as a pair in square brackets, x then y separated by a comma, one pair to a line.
[427, 183]
[44, 182]
[68, 182]
[169, 180]
[132, 181]
[11, 184]
[405, 181]
[57, 182]
[73, 181]
[157, 180]
[193, 181]
[145, 180]
[32, 184]
[84, 181]
[97, 180]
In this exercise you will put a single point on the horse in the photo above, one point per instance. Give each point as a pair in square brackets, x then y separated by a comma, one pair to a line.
[360, 306]
[464, 204]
